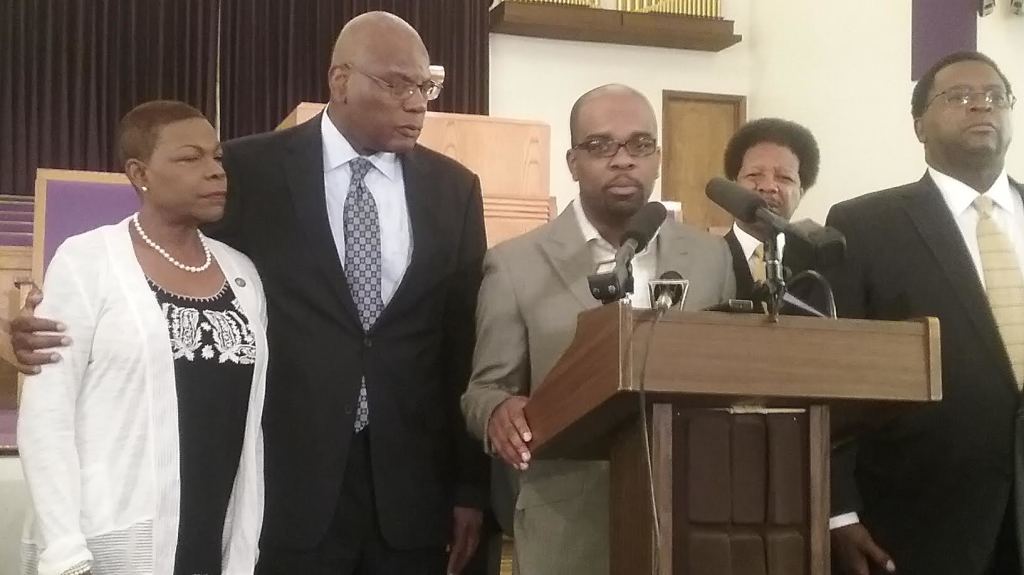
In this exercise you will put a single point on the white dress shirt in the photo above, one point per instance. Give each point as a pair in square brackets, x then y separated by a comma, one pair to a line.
[645, 263]
[1008, 214]
[749, 243]
[387, 187]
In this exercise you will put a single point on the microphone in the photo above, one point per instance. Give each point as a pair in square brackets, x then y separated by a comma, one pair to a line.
[828, 244]
[745, 205]
[614, 285]
[734, 198]
[668, 291]
[639, 231]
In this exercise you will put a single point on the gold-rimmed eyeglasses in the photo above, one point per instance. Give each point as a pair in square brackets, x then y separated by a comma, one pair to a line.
[402, 91]
[962, 97]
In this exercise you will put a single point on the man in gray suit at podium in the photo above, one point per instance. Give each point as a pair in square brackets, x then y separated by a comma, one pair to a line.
[534, 288]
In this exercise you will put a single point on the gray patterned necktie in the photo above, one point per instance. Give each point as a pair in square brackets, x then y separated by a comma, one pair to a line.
[362, 261]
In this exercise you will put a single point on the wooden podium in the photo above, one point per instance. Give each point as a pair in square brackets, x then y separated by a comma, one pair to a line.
[740, 427]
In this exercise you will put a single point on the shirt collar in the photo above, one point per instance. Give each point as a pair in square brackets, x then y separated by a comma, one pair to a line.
[749, 243]
[338, 151]
[959, 196]
[591, 235]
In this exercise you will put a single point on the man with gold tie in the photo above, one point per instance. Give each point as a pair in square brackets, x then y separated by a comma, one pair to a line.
[779, 160]
[935, 490]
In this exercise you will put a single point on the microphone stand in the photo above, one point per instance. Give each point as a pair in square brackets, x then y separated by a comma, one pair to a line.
[774, 276]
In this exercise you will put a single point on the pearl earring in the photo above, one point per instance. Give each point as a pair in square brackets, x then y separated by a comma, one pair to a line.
[144, 189]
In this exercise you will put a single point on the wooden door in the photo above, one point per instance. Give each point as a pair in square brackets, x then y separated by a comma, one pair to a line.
[695, 130]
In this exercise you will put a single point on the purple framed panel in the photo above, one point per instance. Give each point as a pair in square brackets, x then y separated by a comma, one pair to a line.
[72, 207]
[939, 28]
[68, 203]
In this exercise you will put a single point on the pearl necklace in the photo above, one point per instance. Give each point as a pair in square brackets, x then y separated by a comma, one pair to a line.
[169, 257]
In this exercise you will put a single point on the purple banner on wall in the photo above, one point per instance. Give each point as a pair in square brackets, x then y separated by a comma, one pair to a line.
[941, 27]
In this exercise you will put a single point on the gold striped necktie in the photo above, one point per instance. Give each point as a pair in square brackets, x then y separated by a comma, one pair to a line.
[756, 263]
[1004, 283]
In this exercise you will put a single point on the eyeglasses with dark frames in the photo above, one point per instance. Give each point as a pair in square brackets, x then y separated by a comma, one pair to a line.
[637, 146]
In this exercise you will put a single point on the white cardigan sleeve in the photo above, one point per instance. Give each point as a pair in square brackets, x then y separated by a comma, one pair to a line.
[46, 426]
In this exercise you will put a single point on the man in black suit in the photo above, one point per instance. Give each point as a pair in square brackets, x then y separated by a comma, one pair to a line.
[933, 491]
[779, 160]
[370, 250]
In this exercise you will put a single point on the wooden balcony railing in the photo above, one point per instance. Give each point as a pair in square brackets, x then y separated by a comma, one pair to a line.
[697, 8]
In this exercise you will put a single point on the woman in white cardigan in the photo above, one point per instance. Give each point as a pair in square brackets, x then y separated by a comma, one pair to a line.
[142, 447]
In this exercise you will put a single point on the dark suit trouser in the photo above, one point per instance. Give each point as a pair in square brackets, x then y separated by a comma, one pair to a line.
[1005, 558]
[353, 544]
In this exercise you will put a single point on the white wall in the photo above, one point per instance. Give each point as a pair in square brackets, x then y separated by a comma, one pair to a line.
[843, 70]
[840, 68]
[539, 79]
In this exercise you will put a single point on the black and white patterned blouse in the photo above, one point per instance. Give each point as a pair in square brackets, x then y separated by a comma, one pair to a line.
[214, 353]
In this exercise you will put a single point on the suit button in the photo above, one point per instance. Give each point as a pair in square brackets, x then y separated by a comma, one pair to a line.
[348, 410]
[367, 342]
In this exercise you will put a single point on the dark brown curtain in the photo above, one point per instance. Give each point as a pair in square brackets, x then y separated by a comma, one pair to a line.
[275, 54]
[69, 69]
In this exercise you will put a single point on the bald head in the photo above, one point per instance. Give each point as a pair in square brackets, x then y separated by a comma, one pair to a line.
[613, 187]
[602, 92]
[378, 61]
[367, 35]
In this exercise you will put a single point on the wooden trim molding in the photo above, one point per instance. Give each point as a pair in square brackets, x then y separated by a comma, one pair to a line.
[585, 24]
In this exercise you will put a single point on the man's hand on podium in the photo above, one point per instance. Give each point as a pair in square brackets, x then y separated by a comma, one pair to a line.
[854, 552]
[509, 433]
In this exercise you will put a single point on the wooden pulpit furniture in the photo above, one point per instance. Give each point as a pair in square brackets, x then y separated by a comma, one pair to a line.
[742, 414]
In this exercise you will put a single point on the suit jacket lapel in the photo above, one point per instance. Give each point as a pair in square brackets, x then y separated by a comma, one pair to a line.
[744, 279]
[930, 215]
[570, 256]
[673, 251]
[305, 173]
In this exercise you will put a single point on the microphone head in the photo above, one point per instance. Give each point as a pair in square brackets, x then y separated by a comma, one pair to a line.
[644, 224]
[668, 291]
[735, 199]
[828, 244]
[831, 247]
